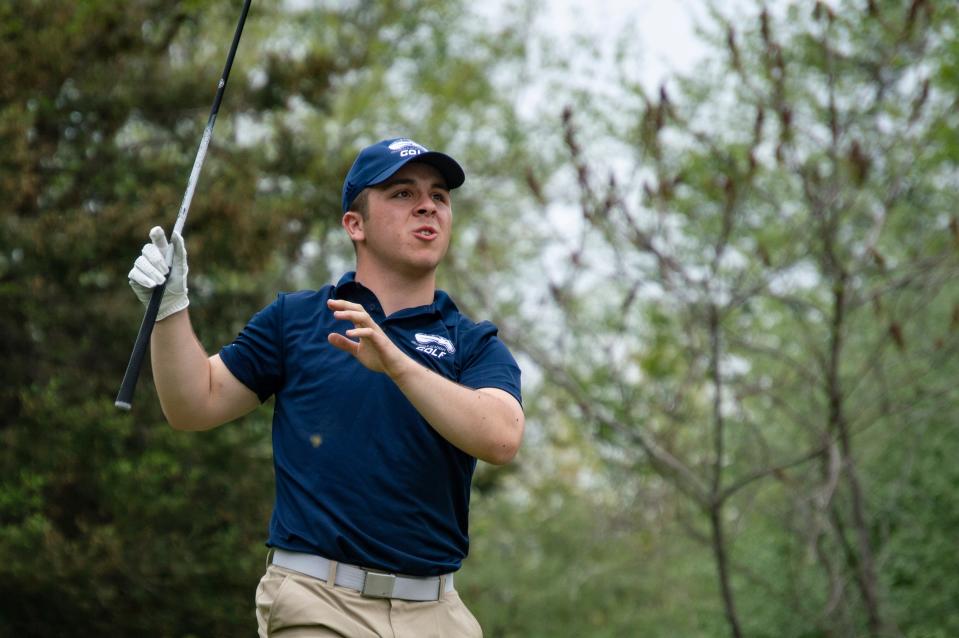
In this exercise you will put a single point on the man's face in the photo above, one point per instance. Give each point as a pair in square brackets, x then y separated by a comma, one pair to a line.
[408, 223]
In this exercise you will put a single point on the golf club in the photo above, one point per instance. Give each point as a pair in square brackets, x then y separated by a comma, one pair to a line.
[124, 398]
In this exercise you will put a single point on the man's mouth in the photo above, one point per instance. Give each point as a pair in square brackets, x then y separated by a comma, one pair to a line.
[425, 232]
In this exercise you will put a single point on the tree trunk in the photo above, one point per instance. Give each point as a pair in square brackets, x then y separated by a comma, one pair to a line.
[722, 568]
[864, 564]
[716, 501]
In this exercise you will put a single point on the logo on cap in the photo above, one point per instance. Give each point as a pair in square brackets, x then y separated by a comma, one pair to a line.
[407, 147]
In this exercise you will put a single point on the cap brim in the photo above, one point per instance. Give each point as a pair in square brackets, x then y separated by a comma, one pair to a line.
[449, 168]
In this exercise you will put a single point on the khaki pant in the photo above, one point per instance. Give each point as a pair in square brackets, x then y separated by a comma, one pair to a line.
[293, 605]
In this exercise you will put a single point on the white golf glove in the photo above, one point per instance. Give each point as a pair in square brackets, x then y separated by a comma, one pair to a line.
[150, 270]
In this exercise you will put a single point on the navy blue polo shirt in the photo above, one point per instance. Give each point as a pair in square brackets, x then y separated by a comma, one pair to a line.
[361, 477]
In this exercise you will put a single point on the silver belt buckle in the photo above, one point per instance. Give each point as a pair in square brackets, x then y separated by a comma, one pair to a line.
[377, 585]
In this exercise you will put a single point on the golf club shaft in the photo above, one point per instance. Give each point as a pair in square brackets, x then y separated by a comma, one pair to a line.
[124, 398]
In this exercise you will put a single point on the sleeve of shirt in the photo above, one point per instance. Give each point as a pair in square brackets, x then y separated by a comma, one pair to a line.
[255, 356]
[489, 363]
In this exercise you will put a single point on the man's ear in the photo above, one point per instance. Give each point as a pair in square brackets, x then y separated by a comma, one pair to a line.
[353, 223]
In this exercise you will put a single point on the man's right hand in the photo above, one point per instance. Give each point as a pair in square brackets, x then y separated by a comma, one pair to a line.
[150, 270]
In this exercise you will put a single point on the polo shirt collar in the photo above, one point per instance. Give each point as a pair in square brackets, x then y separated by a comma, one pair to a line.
[349, 288]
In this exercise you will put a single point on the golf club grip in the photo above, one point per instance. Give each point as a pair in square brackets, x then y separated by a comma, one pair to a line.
[125, 396]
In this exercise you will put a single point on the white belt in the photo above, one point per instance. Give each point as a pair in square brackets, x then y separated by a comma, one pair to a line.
[371, 584]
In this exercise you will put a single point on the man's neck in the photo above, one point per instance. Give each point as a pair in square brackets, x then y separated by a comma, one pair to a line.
[396, 291]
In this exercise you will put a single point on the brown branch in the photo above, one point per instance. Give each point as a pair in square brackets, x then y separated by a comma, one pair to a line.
[774, 470]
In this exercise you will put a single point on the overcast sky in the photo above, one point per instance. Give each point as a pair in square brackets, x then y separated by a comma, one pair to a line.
[661, 36]
[665, 29]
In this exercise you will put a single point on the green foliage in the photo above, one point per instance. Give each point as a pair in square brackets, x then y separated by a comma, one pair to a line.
[555, 560]
[793, 201]
[112, 523]
[761, 309]
[105, 522]
[919, 521]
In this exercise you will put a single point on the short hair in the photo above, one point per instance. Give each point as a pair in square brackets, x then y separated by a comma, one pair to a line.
[361, 204]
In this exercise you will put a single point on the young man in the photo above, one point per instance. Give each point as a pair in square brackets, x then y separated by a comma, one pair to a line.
[385, 397]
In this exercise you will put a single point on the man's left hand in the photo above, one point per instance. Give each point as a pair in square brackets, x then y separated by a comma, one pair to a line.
[372, 347]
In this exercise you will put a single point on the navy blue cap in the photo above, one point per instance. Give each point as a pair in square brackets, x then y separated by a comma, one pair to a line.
[377, 163]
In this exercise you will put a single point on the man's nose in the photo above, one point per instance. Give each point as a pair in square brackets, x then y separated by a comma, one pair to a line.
[426, 205]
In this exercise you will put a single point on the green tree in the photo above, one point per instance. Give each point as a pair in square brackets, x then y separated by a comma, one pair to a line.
[760, 311]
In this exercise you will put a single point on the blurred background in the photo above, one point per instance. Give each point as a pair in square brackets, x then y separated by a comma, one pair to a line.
[720, 237]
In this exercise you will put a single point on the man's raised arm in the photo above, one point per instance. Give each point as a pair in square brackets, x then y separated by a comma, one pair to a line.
[197, 392]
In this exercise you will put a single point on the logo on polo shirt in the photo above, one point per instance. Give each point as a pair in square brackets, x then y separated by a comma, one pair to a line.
[433, 345]
[407, 147]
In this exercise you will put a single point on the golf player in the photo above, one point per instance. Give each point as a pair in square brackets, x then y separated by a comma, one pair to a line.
[385, 396]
